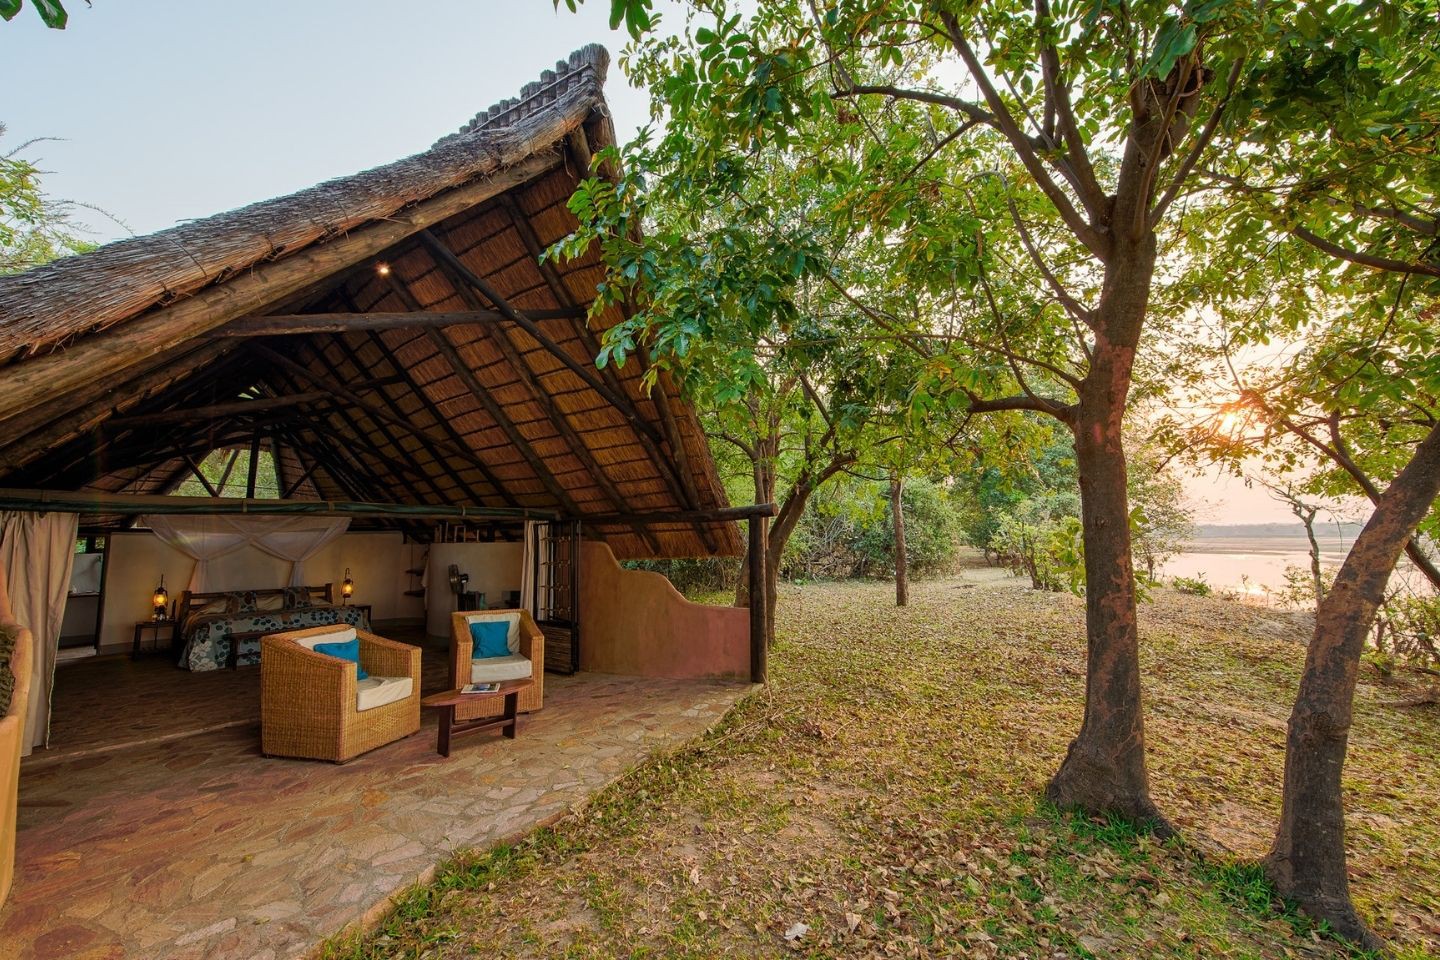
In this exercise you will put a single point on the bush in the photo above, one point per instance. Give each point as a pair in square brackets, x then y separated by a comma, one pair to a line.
[1040, 538]
[1196, 585]
[847, 532]
[1408, 628]
[692, 577]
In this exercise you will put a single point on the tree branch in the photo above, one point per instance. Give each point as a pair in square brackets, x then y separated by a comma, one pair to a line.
[1364, 259]
[1057, 99]
[1202, 141]
[1096, 241]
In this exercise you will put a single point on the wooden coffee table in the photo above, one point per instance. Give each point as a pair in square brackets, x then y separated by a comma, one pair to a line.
[450, 727]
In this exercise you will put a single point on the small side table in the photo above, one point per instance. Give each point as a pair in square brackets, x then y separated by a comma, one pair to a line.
[447, 702]
[155, 625]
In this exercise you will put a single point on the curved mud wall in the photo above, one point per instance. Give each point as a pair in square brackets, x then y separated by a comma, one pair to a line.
[635, 622]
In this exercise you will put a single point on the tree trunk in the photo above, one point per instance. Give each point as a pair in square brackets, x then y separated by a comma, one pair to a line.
[897, 524]
[1104, 769]
[1307, 860]
[1307, 517]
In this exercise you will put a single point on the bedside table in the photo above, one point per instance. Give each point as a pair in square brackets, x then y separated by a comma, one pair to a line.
[156, 626]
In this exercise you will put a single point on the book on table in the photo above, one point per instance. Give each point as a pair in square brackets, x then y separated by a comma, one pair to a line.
[480, 688]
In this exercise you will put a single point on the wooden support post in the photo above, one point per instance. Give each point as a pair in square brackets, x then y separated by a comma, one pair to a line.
[254, 466]
[759, 652]
[281, 481]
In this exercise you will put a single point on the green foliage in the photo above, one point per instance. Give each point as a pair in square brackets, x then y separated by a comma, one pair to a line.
[34, 228]
[694, 577]
[1298, 591]
[51, 11]
[1408, 627]
[1040, 538]
[848, 532]
[1197, 585]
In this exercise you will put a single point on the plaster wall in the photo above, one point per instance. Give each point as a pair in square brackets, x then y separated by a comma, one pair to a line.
[635, 622]
[377, 562]
[493, 568]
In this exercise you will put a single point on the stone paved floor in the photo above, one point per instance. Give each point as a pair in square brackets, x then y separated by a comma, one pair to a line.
[199, 847]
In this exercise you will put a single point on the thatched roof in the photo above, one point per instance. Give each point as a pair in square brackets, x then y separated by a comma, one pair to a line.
[120, 364]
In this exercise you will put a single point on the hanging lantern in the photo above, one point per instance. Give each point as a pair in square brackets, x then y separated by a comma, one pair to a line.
[347, 586]
[161, 600]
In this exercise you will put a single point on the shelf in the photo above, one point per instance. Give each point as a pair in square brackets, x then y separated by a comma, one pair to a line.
[415, 593]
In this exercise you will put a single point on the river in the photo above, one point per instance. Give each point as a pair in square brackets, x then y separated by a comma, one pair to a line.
[1252, 565]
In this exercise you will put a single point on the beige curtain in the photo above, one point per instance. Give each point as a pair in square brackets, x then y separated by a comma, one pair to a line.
[37, 551]
[527, 567]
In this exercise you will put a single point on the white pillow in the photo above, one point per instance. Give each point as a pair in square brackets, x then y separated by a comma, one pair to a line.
[338, 635]
[512, 634]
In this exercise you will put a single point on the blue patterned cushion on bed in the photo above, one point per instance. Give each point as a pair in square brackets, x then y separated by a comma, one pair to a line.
[348, 650]
[298, 598]
[249, 603]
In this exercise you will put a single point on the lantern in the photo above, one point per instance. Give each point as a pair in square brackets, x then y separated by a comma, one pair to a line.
[161, 600]
[347, 586]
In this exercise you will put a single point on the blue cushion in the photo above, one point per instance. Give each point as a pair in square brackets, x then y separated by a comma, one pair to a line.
[348, 650]
[489, 637]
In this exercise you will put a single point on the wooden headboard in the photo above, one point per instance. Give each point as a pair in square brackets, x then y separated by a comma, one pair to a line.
[187, 598]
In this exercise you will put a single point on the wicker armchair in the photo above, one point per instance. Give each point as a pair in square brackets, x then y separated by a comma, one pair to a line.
[12, 742]
[530, 644]
[309, 702]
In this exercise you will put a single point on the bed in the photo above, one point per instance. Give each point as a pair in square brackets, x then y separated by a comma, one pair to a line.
[224, 629]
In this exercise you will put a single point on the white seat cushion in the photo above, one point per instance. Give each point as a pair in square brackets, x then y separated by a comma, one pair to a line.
[375, 692]
[512, 634]
[338, 635]
[496, 669]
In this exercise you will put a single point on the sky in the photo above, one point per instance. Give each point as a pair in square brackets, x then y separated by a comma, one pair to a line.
[163, 111]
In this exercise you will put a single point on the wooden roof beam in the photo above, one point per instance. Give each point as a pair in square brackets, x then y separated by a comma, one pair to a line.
[298, 370]
[290, 324]
[501, 338]
[24, 386]
[240, 408]
[492, 407]
[87, 501]
[385, 431]
[680, 466]
[444, 424]
[588, 376]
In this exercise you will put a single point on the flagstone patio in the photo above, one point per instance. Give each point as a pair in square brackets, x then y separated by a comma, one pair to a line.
[198, 847]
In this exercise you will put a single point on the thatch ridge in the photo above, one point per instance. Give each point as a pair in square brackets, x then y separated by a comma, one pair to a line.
[45, 307]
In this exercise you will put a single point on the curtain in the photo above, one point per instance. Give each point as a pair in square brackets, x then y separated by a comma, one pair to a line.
[204, 538]
[527, 568]
[296, 539]
[37, 551]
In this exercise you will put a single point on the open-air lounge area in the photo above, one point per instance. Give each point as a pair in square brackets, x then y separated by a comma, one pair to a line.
[311, 535]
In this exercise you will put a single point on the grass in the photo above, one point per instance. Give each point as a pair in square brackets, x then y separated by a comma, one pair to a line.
[884, 793]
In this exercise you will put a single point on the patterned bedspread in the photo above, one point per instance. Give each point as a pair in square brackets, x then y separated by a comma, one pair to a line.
[207, 645]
